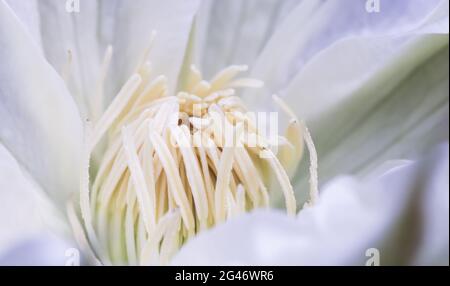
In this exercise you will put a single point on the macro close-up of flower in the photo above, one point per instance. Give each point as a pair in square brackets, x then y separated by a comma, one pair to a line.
[224, 132]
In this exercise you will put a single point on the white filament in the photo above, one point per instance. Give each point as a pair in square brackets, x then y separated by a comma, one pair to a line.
[177, 164]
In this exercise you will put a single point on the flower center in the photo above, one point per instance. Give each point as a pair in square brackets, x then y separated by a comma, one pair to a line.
[179, 164]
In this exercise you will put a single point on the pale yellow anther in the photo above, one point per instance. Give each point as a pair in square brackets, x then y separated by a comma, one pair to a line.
[178, 164]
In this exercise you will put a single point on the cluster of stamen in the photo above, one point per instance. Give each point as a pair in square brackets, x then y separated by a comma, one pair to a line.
[179, 164]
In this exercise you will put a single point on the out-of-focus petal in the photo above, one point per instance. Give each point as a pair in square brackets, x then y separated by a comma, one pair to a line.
[28, 13]
[88, 32]
[134, 24]
[44, 249]
[399, 112]
[372, 86]
[234, 31]
[402, 216]
[39, 122]
[314, 26]
[71, 42]
[24, 209]
[19, 210]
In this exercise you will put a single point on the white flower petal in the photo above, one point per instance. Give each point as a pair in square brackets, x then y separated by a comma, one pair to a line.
[39, 122]
[28, 13]
[128, 28]
[234, 31]
[398, 112]
[73, 37]
[19, 207]
[367, 83]
[404, 215]
[44, 249]
[313, 26]
[172, 21]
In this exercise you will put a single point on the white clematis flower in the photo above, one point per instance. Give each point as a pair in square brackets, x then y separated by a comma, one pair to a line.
[372, 87]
